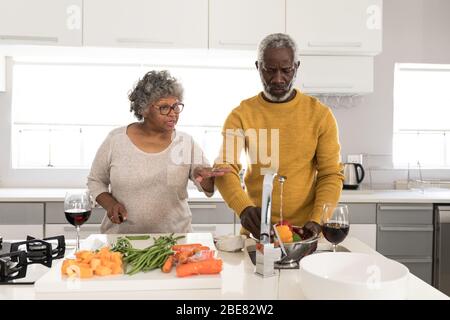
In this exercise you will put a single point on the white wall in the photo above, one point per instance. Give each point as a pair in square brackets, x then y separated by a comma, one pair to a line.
[414, 31]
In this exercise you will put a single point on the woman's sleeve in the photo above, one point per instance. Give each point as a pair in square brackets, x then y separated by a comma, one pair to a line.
[98, 179]
[198, 159]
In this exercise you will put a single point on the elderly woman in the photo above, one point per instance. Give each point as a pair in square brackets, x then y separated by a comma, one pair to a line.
[140, 173]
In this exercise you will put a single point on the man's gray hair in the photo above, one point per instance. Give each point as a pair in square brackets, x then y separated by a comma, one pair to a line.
[154, 86]
[277, 40]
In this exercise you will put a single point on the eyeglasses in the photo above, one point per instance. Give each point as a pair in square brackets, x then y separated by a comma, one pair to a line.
[286, 71]
[165, 109]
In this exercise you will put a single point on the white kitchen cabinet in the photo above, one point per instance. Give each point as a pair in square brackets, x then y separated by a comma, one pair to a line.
[366, 233]
[241, 24]
[2, 73]
[146, 23]
[52, 22]
[335, 74]
[335, 26]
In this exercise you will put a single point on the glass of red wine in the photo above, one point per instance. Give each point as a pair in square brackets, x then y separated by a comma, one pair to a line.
[77, 207]
[335, 223]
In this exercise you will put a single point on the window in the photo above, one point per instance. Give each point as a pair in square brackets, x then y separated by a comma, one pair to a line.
[63, 111]
[421, 115]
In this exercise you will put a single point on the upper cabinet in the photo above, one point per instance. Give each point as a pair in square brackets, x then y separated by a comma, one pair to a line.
[335, 26]
[52, 22]
[241, 24]
[146, 23]
[335, 74]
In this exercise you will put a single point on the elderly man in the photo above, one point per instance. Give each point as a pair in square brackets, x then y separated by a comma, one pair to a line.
[303, 145]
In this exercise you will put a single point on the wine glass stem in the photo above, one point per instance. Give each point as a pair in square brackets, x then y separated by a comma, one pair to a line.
[334, 247]
[78, 238]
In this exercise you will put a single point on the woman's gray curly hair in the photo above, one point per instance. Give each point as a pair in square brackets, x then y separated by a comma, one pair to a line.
[277, 40]
[153, 86]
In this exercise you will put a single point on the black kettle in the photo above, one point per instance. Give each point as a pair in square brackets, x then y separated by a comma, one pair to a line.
[354, 174]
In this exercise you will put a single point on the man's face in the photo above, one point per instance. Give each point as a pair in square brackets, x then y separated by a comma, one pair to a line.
[278, 72]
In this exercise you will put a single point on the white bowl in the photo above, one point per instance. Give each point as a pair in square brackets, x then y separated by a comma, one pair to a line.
[352, 276]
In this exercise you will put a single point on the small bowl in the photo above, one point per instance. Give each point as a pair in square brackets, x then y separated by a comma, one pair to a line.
[352, 276]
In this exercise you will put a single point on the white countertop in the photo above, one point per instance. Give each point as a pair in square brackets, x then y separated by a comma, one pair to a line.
[349, 196]
[239, 283]
[57, 195]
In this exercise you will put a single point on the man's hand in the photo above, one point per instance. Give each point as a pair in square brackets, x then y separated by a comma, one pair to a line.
[251, 220]
[313, 227]
[117, 213]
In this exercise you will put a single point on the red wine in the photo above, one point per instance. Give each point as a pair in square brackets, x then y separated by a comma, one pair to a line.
[335, 232]
[77, 217]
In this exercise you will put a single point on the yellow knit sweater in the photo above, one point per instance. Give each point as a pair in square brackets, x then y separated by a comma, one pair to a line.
[309, 156]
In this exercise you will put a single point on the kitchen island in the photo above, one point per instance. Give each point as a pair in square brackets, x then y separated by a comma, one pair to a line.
[239, 283]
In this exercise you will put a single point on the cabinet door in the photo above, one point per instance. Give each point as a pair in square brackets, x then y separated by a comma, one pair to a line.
[210, 212]
[336, 74]
[241, 24]
[18, 220]
[335, 26]
[146, 23]
[54, 22]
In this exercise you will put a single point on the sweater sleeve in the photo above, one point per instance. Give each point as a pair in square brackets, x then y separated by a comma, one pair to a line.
[329, 166]
[198, 159]
[98, 179]
[229, 185]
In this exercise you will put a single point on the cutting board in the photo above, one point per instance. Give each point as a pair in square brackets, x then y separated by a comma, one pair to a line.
[53, 281]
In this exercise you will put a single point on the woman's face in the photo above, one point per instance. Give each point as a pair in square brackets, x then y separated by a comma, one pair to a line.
[161, 114]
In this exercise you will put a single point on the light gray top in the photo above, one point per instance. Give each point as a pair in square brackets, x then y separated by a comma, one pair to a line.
[151, 186]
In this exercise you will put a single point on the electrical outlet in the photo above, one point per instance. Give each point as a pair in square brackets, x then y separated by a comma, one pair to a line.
[355, 158]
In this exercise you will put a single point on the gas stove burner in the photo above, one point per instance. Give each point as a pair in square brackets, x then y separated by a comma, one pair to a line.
[16, 256]
[13, 266]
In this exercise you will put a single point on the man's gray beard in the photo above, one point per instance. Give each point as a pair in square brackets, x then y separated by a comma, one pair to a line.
[283, 97]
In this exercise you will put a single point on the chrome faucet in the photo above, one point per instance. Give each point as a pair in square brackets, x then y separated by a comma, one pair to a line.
[267, 254]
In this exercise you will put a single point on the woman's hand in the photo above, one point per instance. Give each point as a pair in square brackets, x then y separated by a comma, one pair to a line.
[117, 213]
[202, 173]
[205, 176]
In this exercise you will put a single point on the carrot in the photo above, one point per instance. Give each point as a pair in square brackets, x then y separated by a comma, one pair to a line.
[186, 247]
[167, 265]
[210, 266]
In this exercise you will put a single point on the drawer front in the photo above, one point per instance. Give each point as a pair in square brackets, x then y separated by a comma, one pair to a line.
[421, 267]
[362, 213]
[211, 213]
[69, 231]
[21, 213]
[404, 213]
[54, 213]
[20, 232]
[411, 240]
[216, 229]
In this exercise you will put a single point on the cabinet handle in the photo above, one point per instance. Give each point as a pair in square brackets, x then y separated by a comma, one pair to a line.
[29, 38]
[234, 43]
[331, 86]
[413, 260]
[143, 40]
[334, 44]
[407, 229]
[405, 208]
[202, 206]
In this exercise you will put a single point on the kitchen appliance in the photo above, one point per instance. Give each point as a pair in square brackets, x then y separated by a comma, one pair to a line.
[441, 259]
[23, 262]
[354, 175]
